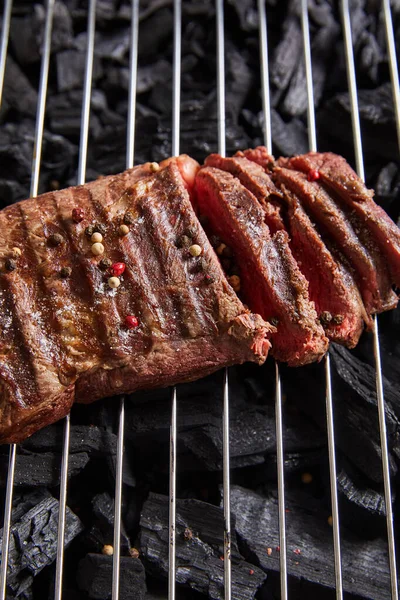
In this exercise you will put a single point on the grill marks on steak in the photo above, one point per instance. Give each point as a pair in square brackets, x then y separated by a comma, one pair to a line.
[337, 224]
[336, 297]
[64, 339]
[337, 175]
[256, 180]
[272, 283]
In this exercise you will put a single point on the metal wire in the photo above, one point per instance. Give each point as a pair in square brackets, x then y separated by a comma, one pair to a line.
[13, 448]
[351, 74]
[37, 150]
[267, 130]
[312, 142]
[176, 116]
[394, 72]
[7, 521]
[225, 416]
[130, 153]
[5, 34]
[172, 502]
[81, 180]
[118, 502]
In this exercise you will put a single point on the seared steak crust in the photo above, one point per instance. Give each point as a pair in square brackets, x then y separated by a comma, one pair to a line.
[331, 286]
[63, 332]
[356, 243]
[337, 175]
[272, 282]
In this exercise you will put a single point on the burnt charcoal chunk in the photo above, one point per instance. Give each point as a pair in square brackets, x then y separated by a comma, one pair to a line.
[42, 469]
[90, 439]
[288, 137]
[33, 538]
[18, 92]
[103, 510]
[27, 33]
[310, 547]
[71, 69]
[95, 577]
[287, 53]
[198, 552]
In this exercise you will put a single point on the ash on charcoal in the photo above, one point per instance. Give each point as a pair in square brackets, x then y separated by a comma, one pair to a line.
[103, 531]
[92, 440]
[27, 33]
[356, 412]
[16, 150]
[355, 499]
[198, 557]
[18, 94]
[288, 138]
[33, 540]
[95, 577]
[310, 547]
[41, 469]
[71, 69]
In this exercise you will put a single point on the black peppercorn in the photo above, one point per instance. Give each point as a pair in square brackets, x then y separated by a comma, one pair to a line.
[99, 228]
[10, 264]
[274, 321]
[325, 317]
[65, 272]
[55, 239]
[89, 231]
[184, 242]
[129, 218]
[338, 319]
[105, 264]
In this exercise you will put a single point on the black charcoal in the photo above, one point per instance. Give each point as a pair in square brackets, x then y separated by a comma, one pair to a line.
[83, 438]
[95, 577]
[41, 469]
[33, 539]
[198, 555]
[18, 93]
[310, 547]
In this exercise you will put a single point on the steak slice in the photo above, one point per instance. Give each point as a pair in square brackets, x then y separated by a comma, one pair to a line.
[64, 334]
[337, 175]
[349, 235]
[257, 181]
[331, 286]
[270, 279]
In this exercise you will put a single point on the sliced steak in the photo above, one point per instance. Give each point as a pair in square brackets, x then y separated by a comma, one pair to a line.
[271, 281]
[259, 155]
[337, 175]
[347, 232]
[255, 179]
[331, 286]
[64, 332]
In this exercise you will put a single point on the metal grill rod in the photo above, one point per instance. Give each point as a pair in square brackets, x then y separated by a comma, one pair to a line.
[267, 130]
[13, 448]
[355, 117]
[176, 108]
[225, 417]
[394, 72]
[5, 34]
[37, 150]
[130, 153]
[312, 142]
[81, 180]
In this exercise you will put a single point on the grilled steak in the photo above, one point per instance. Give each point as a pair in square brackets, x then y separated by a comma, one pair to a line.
[271, 281]
[75, 329]
[256, 180]
[336, 223]
[331, 286]
[337, 175]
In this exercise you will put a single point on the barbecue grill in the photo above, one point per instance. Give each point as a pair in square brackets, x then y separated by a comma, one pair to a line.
[329, 394]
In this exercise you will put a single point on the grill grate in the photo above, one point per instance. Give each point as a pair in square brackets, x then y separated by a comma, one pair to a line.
[345, 13]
